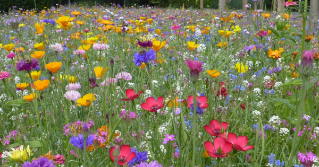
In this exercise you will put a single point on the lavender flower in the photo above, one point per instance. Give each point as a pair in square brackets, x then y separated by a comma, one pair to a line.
[45, 162]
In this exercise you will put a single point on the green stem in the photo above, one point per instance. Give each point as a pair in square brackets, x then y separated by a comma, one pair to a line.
[304, 18]
[194, 123]
[7, 90]
[299, 115]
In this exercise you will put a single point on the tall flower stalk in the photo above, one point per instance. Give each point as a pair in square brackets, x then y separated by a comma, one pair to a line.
[195, 68]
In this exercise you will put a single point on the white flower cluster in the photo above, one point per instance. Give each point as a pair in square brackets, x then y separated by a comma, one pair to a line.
[283, 131]
[257, 91]
[275, 121]
[277, 84]
[201, 48]
[256, 114]
[316, 130]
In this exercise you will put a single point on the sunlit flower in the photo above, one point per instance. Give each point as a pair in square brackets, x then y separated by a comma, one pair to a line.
[157, 45]
[86, 100]
[64, 22]
[30, 97]
[99, 71]
[20, 154]
[53, 66]
[39, 28]
[35, 74]
[192, 46]
[213, 73]
[22, 86]
[9, 47]
[38, 54]
[275, 54]
[225, 34]
[40, 46]
[241, 68]
[41, 85]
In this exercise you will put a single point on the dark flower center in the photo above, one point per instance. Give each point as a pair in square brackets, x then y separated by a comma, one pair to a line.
[155, 107]
[121, 159]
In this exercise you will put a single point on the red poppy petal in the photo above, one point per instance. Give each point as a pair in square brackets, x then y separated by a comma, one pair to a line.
[227, 147]
[125, 150]
[209, 146]
[219, 142]
[130, 93]
[208, 129]
[126, 99]
[145, 106]
[214, 124]
[139, 93]
[159, 100]
[202, 99]
[212, 155]
[111, 153]
[190, 100]
[245, 148]
[224, 125]
[203, 105]
[150, 101]
[130, 157]
[232, 138]
[242, 140]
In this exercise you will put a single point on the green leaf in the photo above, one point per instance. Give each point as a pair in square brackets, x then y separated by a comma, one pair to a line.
[14, 145]
[35, 144]
[284, 101]
[297, 82]
[275, 32]
[16, 102]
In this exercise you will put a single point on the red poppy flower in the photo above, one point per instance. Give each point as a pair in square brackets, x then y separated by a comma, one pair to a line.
[239, 142]
[124, 156]
[201, 101]
[151, 105]
[242, 106]
[214, 129]
[222, 91]
[219, 149]
[130, 93]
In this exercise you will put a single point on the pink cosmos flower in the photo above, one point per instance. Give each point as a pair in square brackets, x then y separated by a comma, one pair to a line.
[4, 75]
[175, 27]
[72, 95]
[59, 159]
[102, 46]
[11, 55]
[79, 52]
[124, 75]
[57, 47]
[290, 3]
[168, 138]
[73, 86]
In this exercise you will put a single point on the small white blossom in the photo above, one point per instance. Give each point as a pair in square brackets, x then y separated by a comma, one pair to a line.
[283, 131]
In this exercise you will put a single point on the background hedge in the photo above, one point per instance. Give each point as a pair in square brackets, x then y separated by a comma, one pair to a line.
[29, 4]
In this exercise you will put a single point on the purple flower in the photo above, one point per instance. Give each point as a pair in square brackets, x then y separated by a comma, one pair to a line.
[139, 157]
[306, 66]
[145, 44]
[151, 164]
[195, 67]
[168, 138]
[43, 162]
[78, 142]
[144, 57]
[27, 65]
[277, 69]
[307, 159]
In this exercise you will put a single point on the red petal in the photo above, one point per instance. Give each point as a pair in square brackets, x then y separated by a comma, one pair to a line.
[208, 130]
[227, 147]
[209, 146]
[159, 101]
[150, 101]
[126, 99]
[245, 148]
[224, 125]
[125, 150]
[242, 140]
[130, 93]
[203, 105]
[212, 155]
[139, 93]
[111, 153]
[219, 142]
[214, 124]
[145, 106]
[130, 157]
[202, 99]
[232, 138]
[190, 101]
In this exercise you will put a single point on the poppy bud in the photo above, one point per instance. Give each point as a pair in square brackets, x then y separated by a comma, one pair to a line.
[116, 151]
[306, 66]
[112, 62]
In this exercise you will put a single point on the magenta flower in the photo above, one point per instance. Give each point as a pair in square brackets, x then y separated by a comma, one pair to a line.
[195, 67]
[290, 3]
[59, 159]
[306, 66]
[168, 138]
[175, 27]
[11, 55]
[307, 159]
[4, 75]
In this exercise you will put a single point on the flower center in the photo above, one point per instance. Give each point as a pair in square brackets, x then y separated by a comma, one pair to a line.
[121, 159]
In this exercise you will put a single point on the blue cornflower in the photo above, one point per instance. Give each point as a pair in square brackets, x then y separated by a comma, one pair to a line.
[271, 158]
[198, 109]
[272, 91]
[234, 77]
[144, 57]
[139, 157]
[267, 126]
[78, 142]
[255, 126]
[264, 69]
[278, 163]
[242, 74]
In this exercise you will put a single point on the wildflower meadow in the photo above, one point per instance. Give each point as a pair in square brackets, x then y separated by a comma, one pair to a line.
[144, 86]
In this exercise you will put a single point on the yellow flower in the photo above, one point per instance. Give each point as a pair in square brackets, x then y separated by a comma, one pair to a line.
[84, 47]
[53, 66]
[158, 31]
[41, 85]
[86, 100]
[173, 103]
[20, 154]
[30, 97]
[241, 68]
[80, 22]
[275, 53]
[192, 46]
[222, 44]
[22, 86]
[64, 22]
[35, 75]
[224, 19]
[99, 72]
[39, 28]
[213, 73]
[40, 46]
[9, 47]
[142, 66]
[157, 45]
[237, 29]
[69, 77]
[149, 21]
[227, 34]
[75, 13]
[38, 54]
[21, 25]
[159, 58]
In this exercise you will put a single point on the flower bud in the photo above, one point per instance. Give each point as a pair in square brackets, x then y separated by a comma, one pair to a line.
[116, 151]
[112, 63]
[306, 66]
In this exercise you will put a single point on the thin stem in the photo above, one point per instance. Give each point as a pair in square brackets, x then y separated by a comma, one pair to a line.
[194, 122]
